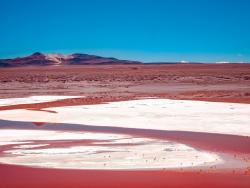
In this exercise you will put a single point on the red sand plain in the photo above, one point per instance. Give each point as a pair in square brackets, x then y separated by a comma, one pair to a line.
[225, 83]
[210, 82]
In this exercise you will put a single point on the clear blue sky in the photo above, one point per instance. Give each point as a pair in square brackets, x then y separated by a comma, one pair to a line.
[147, 30]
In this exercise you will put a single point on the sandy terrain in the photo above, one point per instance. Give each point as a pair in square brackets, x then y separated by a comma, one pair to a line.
[227, 82]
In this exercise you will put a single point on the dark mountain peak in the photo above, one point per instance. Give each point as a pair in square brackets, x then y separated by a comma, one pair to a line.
[37, 54]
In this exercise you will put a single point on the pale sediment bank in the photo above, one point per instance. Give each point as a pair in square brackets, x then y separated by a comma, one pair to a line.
[156, 114]
[40, 148]
[34, 99]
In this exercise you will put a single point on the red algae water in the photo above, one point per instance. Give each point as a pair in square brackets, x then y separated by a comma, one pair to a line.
[12, 176]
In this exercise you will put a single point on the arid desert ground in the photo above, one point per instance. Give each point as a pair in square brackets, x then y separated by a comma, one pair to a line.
[210, 82]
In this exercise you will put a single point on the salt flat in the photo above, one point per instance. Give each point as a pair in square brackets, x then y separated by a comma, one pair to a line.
[115, 151]
[157, 114]
[33, 99]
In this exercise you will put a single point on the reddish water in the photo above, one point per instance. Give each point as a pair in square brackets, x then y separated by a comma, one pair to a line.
[38, 123]
[15, 176]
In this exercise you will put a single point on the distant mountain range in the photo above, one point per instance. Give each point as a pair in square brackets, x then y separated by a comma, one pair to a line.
[41, 59]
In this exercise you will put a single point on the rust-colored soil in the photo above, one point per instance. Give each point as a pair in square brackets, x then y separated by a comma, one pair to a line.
[209, 82]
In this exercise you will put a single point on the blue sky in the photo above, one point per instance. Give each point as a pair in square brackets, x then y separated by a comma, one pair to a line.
[147, 30]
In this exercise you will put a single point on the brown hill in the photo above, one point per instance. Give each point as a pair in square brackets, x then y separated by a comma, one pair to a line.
[39, 59]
